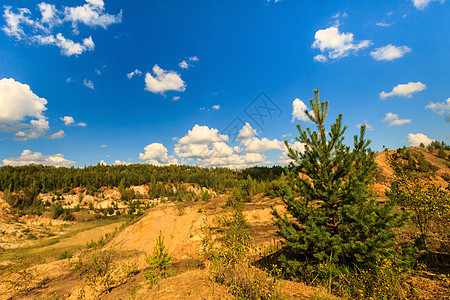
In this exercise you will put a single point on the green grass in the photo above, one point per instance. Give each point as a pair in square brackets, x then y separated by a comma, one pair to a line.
[48, 249]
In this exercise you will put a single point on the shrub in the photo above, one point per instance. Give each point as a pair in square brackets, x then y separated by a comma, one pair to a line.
[96, 267]
[429, 203]
[56, 210]
[64, 255]
[160, 262]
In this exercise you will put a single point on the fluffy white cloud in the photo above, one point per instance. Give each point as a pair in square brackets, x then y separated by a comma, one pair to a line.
[246, 132]
[22, 26]
[91, 14]
[49, 14]
[203, 135]
[320, 58]
[404, 90]
[390, 52]
[68, 120]
[156, 154]
[298, 111]
[254, 144]
[176, 98]
[135, 72]
[67, 46]
[296, 146]
[440, 107]
[394, 120]
[28, 157]
[216, 107]
[416, 139]
[207, 147]
[18, 104]
[337, 45]
[37, 128]
[422, 4]
[57, 135]
[103, 146]
[163, 81]
[88, 83]
[235, 161]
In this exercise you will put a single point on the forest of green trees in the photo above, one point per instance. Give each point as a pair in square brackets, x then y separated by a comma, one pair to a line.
[45, 178]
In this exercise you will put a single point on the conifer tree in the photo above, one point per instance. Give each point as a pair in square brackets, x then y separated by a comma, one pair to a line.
[335, 219]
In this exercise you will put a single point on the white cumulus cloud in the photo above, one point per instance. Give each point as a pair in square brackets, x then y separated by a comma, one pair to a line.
[298, 111]
[207, 147]
[336, 44]
[390, 52]
[21, 25]
[91, 14]
[162, 81]
[394, 120]
[440, 107]
[57, 135]
[203, 135]
[28, 157]
[21, 110]
[69, 121]
[156, 154]
[416, 139]
[422, 4]
[246, 132]
[404, 90]
[254, 145]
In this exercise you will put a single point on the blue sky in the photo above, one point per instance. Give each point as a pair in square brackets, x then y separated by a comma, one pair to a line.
[161, 81]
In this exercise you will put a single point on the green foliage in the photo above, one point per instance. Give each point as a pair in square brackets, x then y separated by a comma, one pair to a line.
[64, 255]
[159, 263]
[22, 277]
[428, 202]
[385, 281]
[438, 145]
[56, 210]
[26, 201]
[424, 166]
[335, 220]
[230, 264]
[442, 154]
[95, 267]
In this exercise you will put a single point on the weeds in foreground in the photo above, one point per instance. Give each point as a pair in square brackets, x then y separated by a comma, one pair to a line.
[230, 263]
[385, 281]
[22, 277]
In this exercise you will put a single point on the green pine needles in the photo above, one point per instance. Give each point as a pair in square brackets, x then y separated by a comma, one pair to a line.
[331, 218]
[160, 262]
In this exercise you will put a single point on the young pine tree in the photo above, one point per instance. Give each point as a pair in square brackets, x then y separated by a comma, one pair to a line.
[334, 220]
